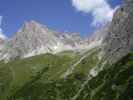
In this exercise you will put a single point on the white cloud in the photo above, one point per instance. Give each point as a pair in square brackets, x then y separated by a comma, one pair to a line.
[100, 10]
[1, 34]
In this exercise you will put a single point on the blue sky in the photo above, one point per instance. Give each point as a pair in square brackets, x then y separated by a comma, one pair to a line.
[62, 15]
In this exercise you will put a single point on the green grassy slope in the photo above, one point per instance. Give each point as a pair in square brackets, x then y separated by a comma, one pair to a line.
[38, 78]
[113, 83]
[19, 73]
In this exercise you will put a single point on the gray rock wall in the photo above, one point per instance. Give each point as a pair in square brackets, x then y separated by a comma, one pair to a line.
[119, 40]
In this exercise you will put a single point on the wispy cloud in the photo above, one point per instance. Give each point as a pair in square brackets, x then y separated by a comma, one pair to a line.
[1, 34]
[100, 10]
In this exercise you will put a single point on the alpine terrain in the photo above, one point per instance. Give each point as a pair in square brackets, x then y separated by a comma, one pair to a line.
[38, 63]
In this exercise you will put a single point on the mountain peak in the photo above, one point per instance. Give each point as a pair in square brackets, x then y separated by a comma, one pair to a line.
[33, 22]
[34, 38]
[32, 26]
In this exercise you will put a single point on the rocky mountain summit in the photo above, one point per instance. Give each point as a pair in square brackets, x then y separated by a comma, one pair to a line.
[119, 41]
[34, 39]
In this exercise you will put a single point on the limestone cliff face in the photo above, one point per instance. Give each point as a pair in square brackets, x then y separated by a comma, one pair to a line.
[34, 39]
[31, 37]
[119, 40]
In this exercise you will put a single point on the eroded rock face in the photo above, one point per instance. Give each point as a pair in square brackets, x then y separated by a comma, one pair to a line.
[119, 40]
[34, 39]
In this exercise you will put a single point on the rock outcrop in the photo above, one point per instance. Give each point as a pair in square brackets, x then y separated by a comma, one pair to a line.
[119, 41]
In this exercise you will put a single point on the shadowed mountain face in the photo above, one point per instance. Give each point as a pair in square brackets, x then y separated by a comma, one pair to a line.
[119, 40]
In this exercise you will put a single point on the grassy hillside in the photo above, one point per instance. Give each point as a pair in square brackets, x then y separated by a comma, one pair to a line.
[39, 78]
[113, 83]
[21, 75]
